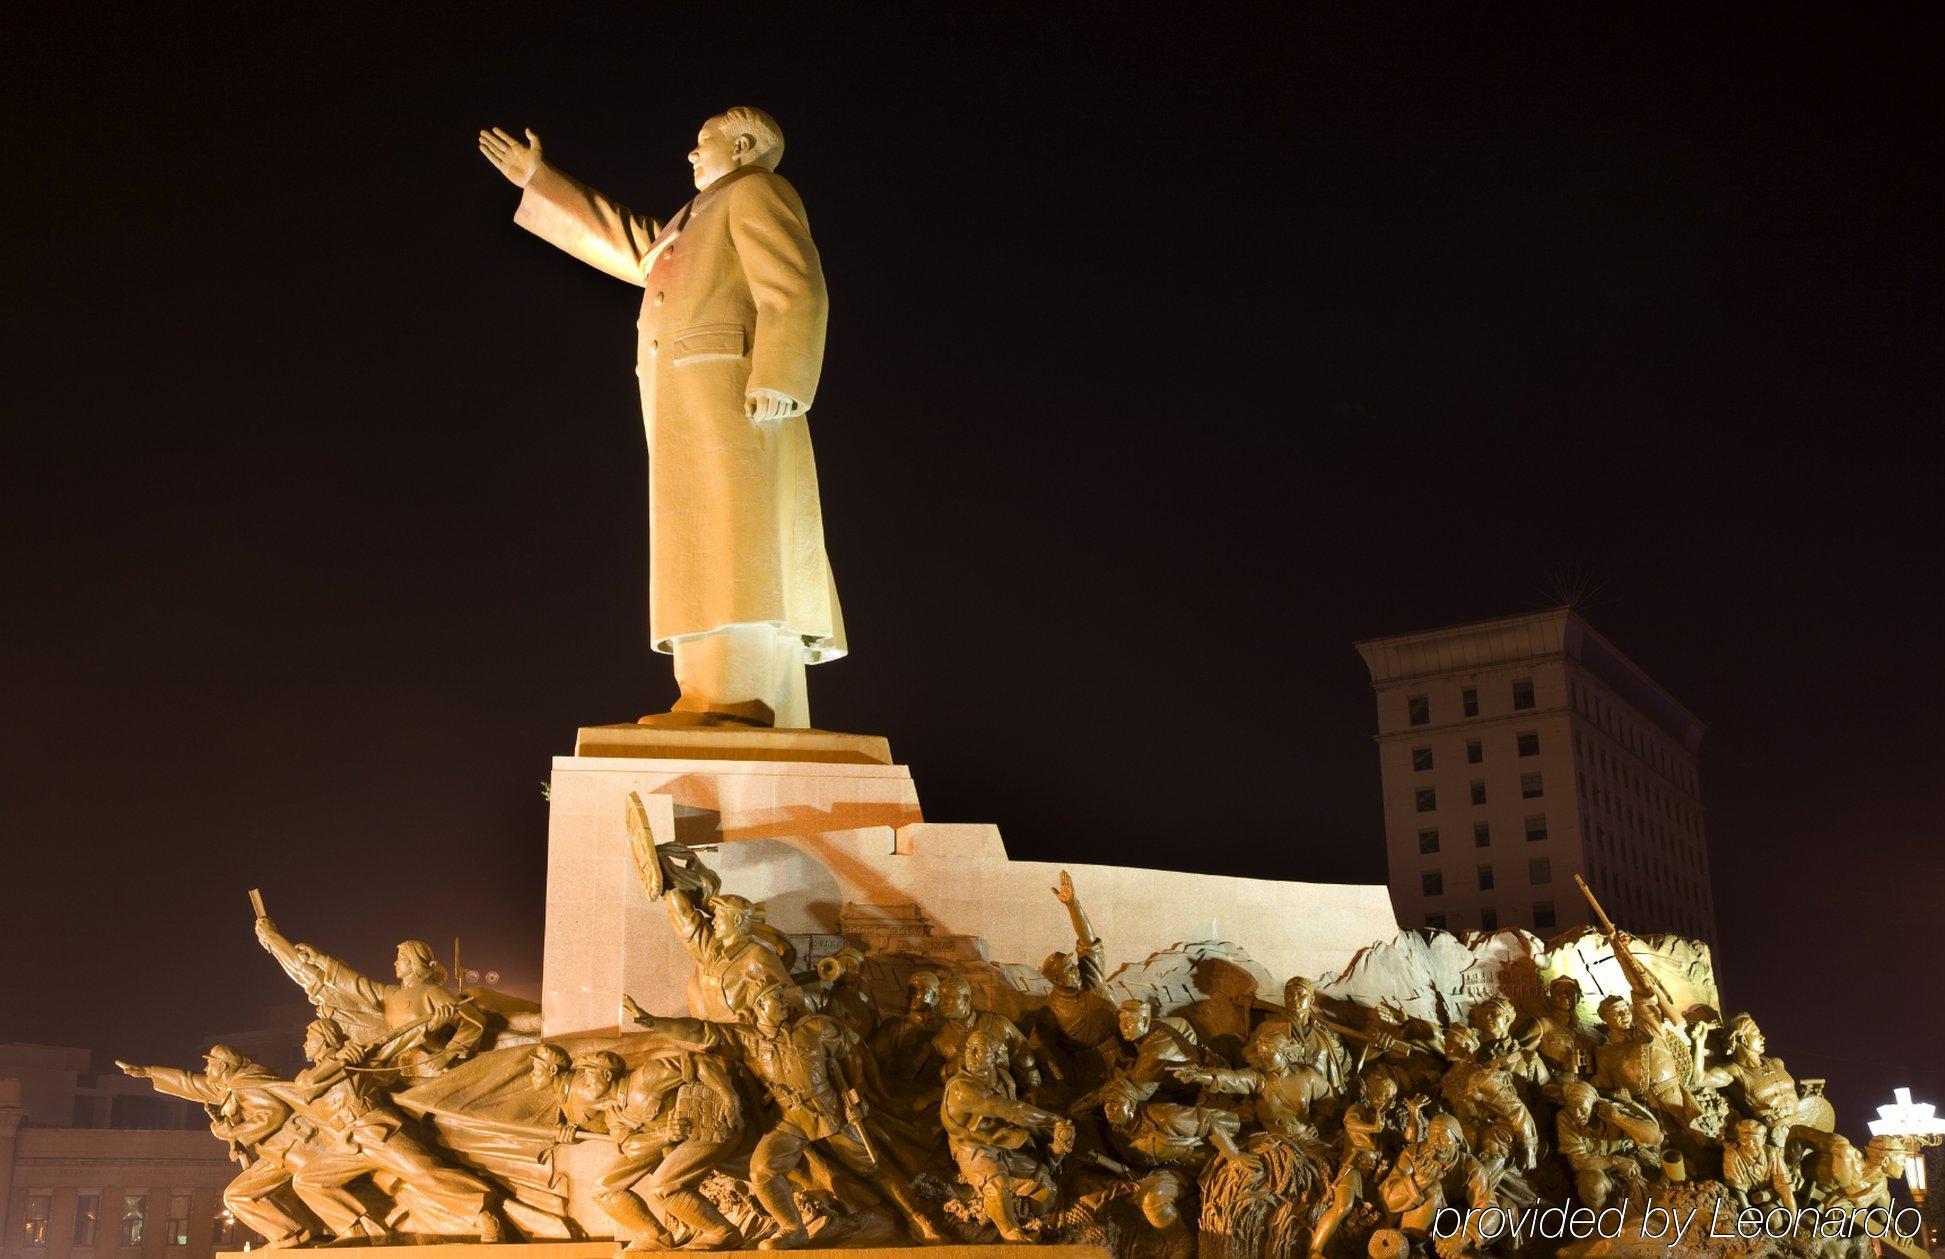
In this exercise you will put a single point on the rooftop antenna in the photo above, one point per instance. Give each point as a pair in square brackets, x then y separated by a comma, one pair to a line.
[1573, 586]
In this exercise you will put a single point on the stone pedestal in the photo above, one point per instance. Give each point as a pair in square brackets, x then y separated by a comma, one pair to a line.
[827, 833]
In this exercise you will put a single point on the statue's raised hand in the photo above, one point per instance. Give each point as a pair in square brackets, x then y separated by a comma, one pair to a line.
[1065, 892]
[515, 160]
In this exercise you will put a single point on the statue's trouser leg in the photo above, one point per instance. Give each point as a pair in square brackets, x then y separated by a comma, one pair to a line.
[777, 1154]
[319, 1175]
[638, 1154]
[849, 1146]
[673, 1189]
[1592, 1188]
[749, 671]
[457, 1201]
[1344, 1194]
[251, 1198]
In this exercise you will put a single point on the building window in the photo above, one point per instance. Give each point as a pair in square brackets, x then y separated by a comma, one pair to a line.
[1485, 876]
[1428, 841]
[1432, 883]
[1488, 918]
[1421, 758]
[1482, 835]
[87, 1209]
[1418, 709]
[1529, 743]
[1543, 914]
[135, 1215]
[179, 1218]
[1475, 752]
[1539, 871]
[33, 1221]
[1536, 828]
[1531, 788]
[1469, 700]
[222, 1231]
[1435, 921]
[1523, 693]
[1478, 792]
[1427, 798]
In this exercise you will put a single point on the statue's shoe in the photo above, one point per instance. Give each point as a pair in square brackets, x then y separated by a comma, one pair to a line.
[796, 1239]
[679, 720]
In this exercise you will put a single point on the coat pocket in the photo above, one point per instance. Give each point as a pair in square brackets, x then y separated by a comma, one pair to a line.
[710, 341]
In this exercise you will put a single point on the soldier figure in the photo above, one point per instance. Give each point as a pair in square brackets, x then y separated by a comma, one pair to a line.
[1284, 1090]
[1606, 1142]
[1761, 1086]
[991, 1133]
[733, 962]
[808, 1062]
[1559, 1035]
[1078, 1006]
[959, 1021]
[1317, 1046]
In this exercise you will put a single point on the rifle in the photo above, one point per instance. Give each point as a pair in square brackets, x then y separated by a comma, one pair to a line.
[1638, 976]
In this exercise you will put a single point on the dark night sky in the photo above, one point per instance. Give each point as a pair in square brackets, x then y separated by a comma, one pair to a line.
[1171, 351]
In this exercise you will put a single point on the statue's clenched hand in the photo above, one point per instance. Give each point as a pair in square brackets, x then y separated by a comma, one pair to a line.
[515, 160]
[764, 406]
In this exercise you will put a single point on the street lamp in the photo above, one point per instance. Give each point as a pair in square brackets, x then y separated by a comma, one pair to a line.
[1919, 1123]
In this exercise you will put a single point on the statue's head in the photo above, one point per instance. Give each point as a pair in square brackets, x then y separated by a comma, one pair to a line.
[1745, 1038]
[416, 964]
[1121, 1101]
[1750, 1133]
[1062, 970]
[221, 1060]
[1493, 1017]
[1134, 1018]
[1616, 1013]
[1461, 1041]
[922, 992]
[773, 1008]
[1889, 1153]
[1563, 995]
[1445, 1135]
[1495, 1144]
[1577, 1098]
[983, 1053]
[742, 136]
[1379, 1087]
[733, 917]
[596, 1072]
[322, 1038]
[1268, 1050]
[955, 998]
[1300, 999]
[548, 1064]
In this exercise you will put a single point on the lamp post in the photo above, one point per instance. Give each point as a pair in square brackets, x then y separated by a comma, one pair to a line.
[1915, 1126]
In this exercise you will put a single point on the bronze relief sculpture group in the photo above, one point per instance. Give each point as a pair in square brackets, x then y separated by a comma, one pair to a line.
[858, 1099]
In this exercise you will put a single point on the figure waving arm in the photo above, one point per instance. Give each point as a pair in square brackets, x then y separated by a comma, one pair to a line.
[568, 214]
[1087, 946]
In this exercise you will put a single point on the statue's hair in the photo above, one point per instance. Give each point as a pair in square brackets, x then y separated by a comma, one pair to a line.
[1741, 1029]
[980, 1046]
[1467, 1038]
[1138, 1005]
[922, 979]
[1614, 1002]
[226, 1055]
[421, 953]
[1576, 1089]
[1570, 982]
[1056, 963]
[956, 982]
[764, 133]
[554, 1054]
[330, 1030]
[1450, 1125]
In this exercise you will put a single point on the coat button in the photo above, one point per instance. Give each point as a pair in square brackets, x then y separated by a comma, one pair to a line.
[659, 297]
[653, 346]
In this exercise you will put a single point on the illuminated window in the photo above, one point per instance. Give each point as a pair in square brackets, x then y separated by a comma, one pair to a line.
[222, 1231]
[1418, 710]
[1488, 919]
[1432, 883]
[87, 1209]
[1523, 693]
[179, 1218]
[1478, 792]
[1536, 828]
[135, 1217]
[1469, 698]
[1543, 914]
[33, 1221]
[1539, 871]
[1531, 787]
[1529, 743]
[1485, 876]
[1427, 798]
[1421, 758]
[1428, 841]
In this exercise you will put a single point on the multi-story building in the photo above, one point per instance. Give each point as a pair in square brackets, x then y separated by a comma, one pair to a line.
[1519, 752]
[90, 1168]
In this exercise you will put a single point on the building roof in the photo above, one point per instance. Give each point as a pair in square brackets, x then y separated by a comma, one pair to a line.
[1508, 640]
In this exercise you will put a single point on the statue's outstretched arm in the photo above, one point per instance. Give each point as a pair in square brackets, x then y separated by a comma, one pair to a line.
[1087, 946]
[191, 1086]
[568, 214]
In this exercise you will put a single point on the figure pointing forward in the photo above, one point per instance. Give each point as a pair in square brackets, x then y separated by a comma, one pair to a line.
[731, 344]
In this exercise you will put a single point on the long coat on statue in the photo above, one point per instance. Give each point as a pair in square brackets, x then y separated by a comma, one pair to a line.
[733, 300]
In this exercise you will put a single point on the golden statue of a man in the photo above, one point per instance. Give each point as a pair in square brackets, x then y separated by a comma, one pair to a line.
[731, 344]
